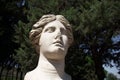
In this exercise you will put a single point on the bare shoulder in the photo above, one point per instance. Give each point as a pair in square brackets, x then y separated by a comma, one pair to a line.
[27, 76]
[30, 75]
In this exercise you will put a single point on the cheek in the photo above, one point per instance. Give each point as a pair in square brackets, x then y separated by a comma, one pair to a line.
[42, 40]
[45, 39]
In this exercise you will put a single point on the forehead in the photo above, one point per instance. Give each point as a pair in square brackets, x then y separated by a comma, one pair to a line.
[55, 23]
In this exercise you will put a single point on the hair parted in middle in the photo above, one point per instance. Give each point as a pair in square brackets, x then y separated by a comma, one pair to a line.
[37, 28]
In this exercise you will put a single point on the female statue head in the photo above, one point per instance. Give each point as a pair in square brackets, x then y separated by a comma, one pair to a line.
[38, 27]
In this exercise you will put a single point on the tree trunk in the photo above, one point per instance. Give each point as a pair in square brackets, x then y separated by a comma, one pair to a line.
[17, 71]
[6, 75]
[1, 71]
[99, 69]
[97, 58]
[21, 75]
[12, 73]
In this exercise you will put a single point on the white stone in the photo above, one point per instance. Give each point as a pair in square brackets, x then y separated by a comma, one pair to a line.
[53, 44]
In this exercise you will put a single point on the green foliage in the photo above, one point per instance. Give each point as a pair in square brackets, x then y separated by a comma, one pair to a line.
[9, 15]
[111, 77]
[99, 20]
[79, 65]
[26, 55]
[94, 23]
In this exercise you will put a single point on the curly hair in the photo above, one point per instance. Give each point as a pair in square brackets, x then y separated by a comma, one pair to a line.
[37, 28]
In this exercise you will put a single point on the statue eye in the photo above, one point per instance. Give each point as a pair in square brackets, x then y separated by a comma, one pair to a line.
[63, 31]
[50, 29]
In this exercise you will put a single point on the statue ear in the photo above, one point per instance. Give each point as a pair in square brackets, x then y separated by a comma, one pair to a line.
[37, 48]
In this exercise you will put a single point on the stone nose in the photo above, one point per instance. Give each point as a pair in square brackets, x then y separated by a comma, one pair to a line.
[58, 35]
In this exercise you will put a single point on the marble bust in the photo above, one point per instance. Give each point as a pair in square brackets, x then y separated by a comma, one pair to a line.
[51, 36]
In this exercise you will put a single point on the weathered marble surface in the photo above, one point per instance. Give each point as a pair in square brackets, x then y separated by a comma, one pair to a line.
[51, 36]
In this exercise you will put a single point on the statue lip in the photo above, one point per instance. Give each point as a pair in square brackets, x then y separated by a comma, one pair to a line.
[59, 43]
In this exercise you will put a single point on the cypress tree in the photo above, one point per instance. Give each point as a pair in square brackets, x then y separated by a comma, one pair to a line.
[94, 24]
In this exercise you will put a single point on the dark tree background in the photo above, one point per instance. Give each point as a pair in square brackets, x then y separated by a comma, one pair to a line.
[10, 14]
[95, 24]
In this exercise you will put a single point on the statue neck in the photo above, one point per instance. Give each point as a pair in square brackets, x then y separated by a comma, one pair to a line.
[51, 67]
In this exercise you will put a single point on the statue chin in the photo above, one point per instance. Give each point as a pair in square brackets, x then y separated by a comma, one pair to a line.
[56, 54]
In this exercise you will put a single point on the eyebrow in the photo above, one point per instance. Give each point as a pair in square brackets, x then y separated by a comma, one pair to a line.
[63, 28]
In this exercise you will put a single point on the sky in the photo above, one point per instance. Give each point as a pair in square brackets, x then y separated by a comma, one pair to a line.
[112, 70]
[116, 39]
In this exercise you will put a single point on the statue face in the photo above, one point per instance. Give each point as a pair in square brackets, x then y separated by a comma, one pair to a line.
[54, 41]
